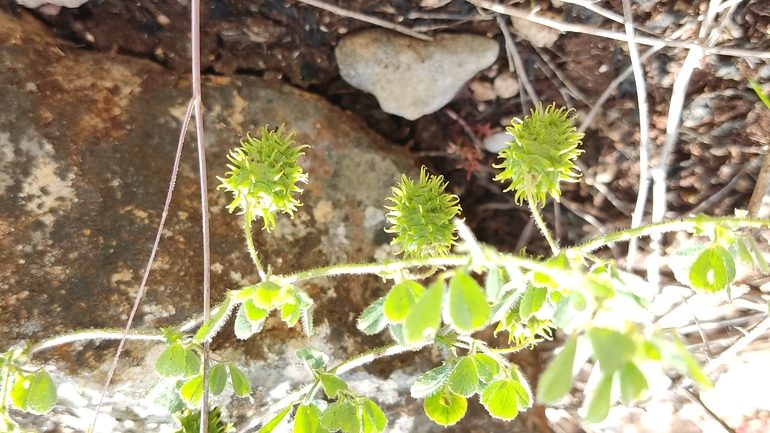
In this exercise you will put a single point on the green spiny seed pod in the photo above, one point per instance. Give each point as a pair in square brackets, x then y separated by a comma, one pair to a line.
[263, 175]
[422, 215]
[541, 155]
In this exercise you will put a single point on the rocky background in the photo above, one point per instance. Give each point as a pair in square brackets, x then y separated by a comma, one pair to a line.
[91, 99]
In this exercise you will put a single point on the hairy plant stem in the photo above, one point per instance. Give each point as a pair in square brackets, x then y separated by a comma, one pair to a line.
[6, 381]
[94, 334]
[701, 222]
[250, 244]
[540, 223]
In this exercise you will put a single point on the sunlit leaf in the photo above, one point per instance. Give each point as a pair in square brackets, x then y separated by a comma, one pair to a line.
[341, 415]
[424, 319]
[611, 348]
[493, 284]
[333, 385]
[313, 359]
[171, 362]
[488, 368]
[597, 403]
[245, 328]
[532, 301]
[192, 363]
[682, 260]
[270, 295]
[432, 381]
[632, 382]
[241, 384]
[445, 407]
[290, 313]
[401, 299]
[372, 320]
[713, 270]
[468, 309]
[372, 418]
[192, 390]
[556, 380]
[273, 423]
[308, 419]
[218, 379]
[215, 323]
[254, 313]
[464, 379]
[500, 399]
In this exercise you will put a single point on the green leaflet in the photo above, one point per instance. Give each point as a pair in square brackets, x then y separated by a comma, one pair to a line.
[500, 398]
[313, 359]
[432, 381]
[192, 390]
[241, 384]
[218, 379]
[611, 348]
[556, 380]
[333, 385]
[713, 270]
[215, 323]
[632, 382]
[171, 363]
[445, 407]
[597, 403]
[401, 299]
[245, 328]
[308, 419]
[273, 423]
[372, 418]
[424, 319]
[468, 309]
[34, 393]
[372, 320]
[464, 379]
[341, 415]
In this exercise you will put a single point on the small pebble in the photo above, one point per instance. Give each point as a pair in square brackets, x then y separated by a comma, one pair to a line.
[496, 142]
[506, 85]
[482, 91]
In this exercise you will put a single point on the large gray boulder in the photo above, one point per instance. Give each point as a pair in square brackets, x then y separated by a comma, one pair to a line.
[87, 143]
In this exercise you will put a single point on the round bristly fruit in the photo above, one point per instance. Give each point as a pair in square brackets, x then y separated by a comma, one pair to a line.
[421, 216]
[263, 176]
[541, 155]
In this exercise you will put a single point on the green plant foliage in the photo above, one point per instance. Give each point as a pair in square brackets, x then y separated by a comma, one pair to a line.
[713, 270]
[34, 393]
[341, 415]
[218, 379]
[445, 407]
[273, 423]
[632, 382]
[372, 320]
[421, 216]
[556, 380]
[541, 155]
[215, 323]
[333, 385]
[263, 176]
[611, 348]
[372, 418]
[432, 381]
[241, 384]
[244, 326]
[172, 361]
[500, 398]
[486, 367]
[401, 299]
[424, 318]
[192, 390]
[308, 419]
[468, 309]
[597, 403]
[464, 379]
[314, 360]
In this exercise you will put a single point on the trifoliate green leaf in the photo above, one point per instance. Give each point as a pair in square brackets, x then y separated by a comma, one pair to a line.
[713, 270]
[597, 403]
[241, 384]
[468, 309]
[556, 380]
[464, 379]
[308, 419]
[500, 398]
[401, 299]
[424, 319]
[682, 260]
[372, 320]
[333, 385]
[632, 382]
[314, 359]
[245, 328]
[445, 407]
[192, 390]
[215, 323]
[171, 362]
[273, 423]
[372, 418]
[35, 393]
[217, 379]
[341, 415]
[611, 348]
[432, 381]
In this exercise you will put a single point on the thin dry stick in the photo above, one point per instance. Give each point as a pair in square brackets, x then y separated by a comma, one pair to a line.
[366, 18]
[644, 134]
[198, 103]
[520, 71]
[763, 179]
[720, 195]
[591, 6]
[566, 81]
[696, 399]
[147, 269]
[739, 345]
[644, 40]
